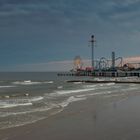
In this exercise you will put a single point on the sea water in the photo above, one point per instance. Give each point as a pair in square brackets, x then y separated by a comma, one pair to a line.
[27, 97]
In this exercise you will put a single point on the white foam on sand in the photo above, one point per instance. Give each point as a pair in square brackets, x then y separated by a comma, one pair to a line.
[93, 94]
[70, 100]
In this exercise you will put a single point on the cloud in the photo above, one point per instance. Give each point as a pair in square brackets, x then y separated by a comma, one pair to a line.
[135, 59]
[130, 2]
[72, 12]
[120, 10]
[46, 30]
[51, 7]
[69, 9]
[20, 9]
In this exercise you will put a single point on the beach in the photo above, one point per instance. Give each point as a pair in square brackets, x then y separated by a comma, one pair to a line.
[107, 117]
[40, 106]
[69, 70]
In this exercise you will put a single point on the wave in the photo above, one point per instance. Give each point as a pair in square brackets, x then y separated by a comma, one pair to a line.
[84, 88]
[47, 107]
[10, 105]
[93, 94]
[130, 89]
[29, 99]
[26, 112]
[28, 121]
[114, 95]
[6, 86]
[57, 109]
[48, 82]
[70, 100]
[109, 92]
[90, 86]
[59, 87]
[62, 92]
[110, 84]
[98, 85]
[107, 84]
[29, 82]
[99, 79]
[77, 83]
[21, 124]
[35, 99]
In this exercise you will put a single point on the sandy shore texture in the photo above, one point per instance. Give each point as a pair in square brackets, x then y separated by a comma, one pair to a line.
[106, 117]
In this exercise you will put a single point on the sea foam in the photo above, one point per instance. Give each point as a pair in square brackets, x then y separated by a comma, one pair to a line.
[7, 86]
[10, 105]
[29, 82]
[65, 92]
[10, 102]
[70, 100]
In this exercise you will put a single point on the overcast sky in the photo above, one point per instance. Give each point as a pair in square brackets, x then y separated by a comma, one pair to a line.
[39, 35]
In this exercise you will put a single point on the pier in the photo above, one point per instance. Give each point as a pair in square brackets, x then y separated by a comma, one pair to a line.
[103, 67]
[103, 74]
[105, 81]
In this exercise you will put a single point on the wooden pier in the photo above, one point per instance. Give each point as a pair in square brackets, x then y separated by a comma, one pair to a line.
[102, 73]
[105, 81]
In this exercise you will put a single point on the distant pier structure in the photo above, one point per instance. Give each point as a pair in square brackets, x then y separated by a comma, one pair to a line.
[112, 67]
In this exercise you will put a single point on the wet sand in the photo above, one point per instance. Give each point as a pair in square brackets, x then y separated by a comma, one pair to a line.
[106, 117]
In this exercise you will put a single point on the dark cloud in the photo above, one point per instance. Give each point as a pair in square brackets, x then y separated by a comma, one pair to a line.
[114, 8]
[46, 30]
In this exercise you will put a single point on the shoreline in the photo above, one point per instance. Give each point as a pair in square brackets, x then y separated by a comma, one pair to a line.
[98, 118]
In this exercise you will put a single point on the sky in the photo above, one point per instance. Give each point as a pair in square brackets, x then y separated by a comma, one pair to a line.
[46, 35]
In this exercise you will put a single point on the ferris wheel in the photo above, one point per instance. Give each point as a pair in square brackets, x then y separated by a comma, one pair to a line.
[77, 63]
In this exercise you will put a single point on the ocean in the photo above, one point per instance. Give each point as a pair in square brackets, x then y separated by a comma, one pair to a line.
[27, 97]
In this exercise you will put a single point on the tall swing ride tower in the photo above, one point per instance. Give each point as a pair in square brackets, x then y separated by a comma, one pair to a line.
[92, 50]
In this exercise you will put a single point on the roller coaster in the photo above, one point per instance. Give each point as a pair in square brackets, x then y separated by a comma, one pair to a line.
[114, 67]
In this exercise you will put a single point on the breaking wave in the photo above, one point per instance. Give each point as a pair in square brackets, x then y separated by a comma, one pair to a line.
[6, 86]
[70, 100]
[65, 92]
[93, 94]
[48, 82]
[84, 88]
[29, 82]
[19, 102]
[10, 105]
[33, 107]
